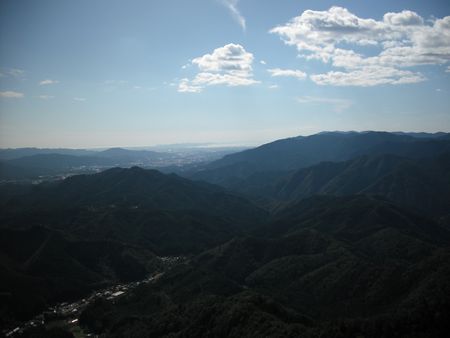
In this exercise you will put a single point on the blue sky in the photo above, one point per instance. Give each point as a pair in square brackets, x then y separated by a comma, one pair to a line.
[98, 73]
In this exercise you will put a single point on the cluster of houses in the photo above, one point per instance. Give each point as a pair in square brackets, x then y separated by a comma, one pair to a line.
[69, 312]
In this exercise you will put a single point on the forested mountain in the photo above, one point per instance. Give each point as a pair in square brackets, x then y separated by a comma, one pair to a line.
[347, 267]
[419, 183]
[40, 266]
[13, 172]
[252, 169]
[86, 231]
[166, 213]
[333, 235]
[301, 152]
[58, 161]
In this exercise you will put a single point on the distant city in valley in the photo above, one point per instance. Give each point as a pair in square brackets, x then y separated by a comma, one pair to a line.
[43, 164]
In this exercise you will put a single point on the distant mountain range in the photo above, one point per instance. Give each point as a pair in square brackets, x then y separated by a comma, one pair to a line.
[301, 152]
[36, 163]
[12, 153]
[42, 162]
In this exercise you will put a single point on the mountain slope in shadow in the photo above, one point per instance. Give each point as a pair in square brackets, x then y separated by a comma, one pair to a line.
[300, 152]
[327, 266]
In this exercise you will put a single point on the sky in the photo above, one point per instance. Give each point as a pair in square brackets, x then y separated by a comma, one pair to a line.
[100, 73]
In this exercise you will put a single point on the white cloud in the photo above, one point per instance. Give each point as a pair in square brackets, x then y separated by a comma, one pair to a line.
[230, 65]
[46, 97]
[368, 77]
[9, 94]
[401, 40]
[79, 99]
[273, 86]
[404, 18]
[48, 82]
[185, 87]
[230, 58]
[231, 79]
[232, 7]
[447, 70]
[287, 72]
[262, 62]
[339, 105]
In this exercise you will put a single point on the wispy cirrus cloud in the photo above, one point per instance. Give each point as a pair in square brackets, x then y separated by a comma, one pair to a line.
[12, 72]
[277, 72]
[231, 5]
[339, 105]
[402, 40]
[48, 82]
[230, 65]
[9, 94]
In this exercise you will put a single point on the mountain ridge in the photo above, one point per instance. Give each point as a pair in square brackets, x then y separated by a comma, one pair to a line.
[300, 152]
